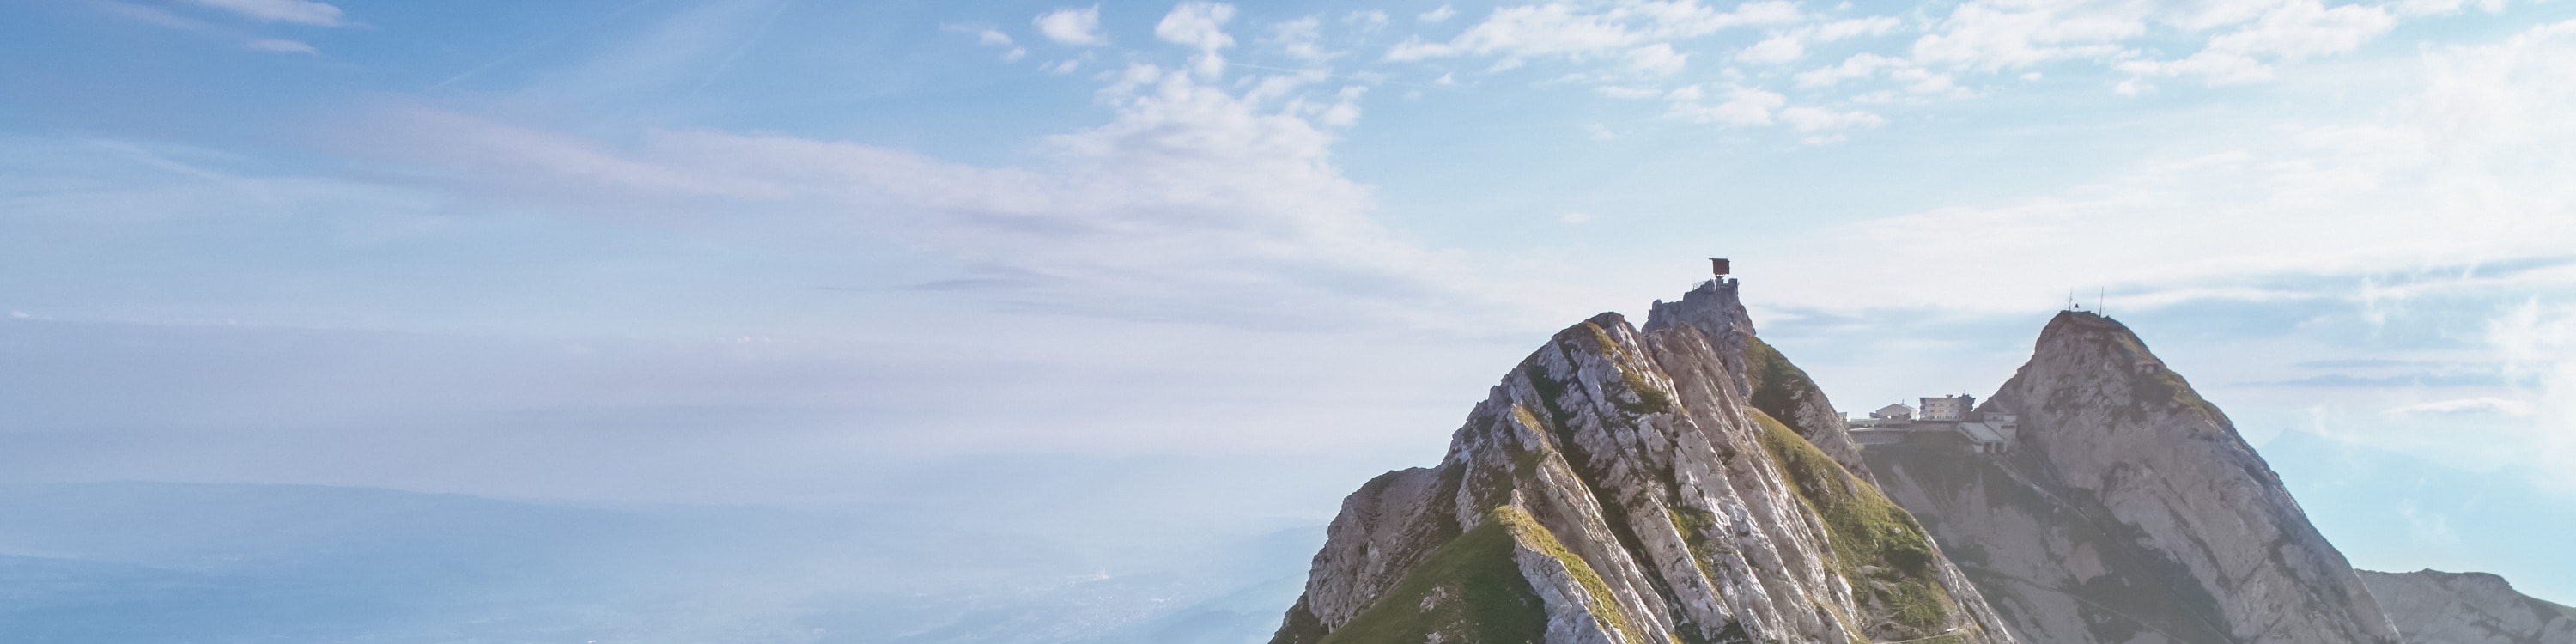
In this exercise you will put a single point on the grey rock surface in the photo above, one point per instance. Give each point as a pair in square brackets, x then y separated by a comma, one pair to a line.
[1765, 377]
[2130, 512]
[2435, 607]
[1648, 502]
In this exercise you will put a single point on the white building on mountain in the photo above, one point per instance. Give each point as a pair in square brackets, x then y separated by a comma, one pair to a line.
[1948, 408]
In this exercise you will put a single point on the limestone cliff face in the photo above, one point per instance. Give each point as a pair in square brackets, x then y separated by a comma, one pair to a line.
[1765, 377]
[2130, 512]
[2434, 607]
[1619, 486]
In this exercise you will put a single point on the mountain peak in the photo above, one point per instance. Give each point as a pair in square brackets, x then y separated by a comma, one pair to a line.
[2130, 490]
[2086, 331]
[1620, 487]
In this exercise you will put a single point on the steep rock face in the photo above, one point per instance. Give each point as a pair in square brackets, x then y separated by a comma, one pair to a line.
[2130, 512]
[1767, 380]
[1618, 487]
[2435, 607]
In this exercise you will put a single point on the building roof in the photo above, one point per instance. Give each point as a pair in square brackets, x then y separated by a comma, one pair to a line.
[1981, 433]
[1892, 410]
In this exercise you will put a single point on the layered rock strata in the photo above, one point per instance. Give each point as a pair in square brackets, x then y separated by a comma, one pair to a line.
[2131, 511]
[2435, 607]
[1621, 486]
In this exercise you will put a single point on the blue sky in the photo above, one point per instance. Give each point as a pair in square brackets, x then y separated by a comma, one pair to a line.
[732, 251]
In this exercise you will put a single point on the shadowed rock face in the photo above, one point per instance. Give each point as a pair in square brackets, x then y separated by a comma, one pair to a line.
[1621, 486]
[1767, 379]
[2435, 607]
[2131, 512]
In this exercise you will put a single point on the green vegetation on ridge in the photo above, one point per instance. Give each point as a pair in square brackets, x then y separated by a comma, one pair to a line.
[1539, 538]
[1470, 590]
[1778, 386]
[1876, 545]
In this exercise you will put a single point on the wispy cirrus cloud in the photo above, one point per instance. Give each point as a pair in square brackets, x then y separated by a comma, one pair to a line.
[1562, 29]
[1834, 60]
[302, 12]
[1203, 197]
[162, 18]
[2479, 405]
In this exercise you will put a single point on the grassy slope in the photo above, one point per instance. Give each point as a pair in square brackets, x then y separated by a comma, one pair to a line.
[1867, 529]
[1469, 591]
[1876, 544]
[1538, 537]
[1778, 386]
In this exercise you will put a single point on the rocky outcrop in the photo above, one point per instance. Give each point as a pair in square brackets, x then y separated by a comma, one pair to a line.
[2130, 512]
[1768, 380]
[2435, 607]
[1619, 486]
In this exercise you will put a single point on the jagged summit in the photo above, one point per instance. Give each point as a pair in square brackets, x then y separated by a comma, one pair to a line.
[1620, 486]
[1766, 378]
[2132, 510]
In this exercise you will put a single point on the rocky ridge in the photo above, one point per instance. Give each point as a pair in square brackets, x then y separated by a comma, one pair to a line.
[2435, 607]
[1633, 486]
[2130, 512]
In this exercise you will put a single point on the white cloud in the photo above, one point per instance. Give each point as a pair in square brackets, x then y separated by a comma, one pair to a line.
[1299, 38]
[1856, 27]
[1862, 65]
[1627, 92]
[1744, 106]
[1988, 35]
[1079, 27]
[1575, 217]
[1193, 201]
[1367, 21]
[1657, 59]
[282, 46]
[302, 12]
[1439, 15]
[1999, 35]
[1925, 82]
[2471, 169]
[2291, 31]
[1200, 25]
[1563, 29]
[2446, 7]
[1774, 50]
[2482, 405]
[989, 37]
[1598, 132]
[1810, 119]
